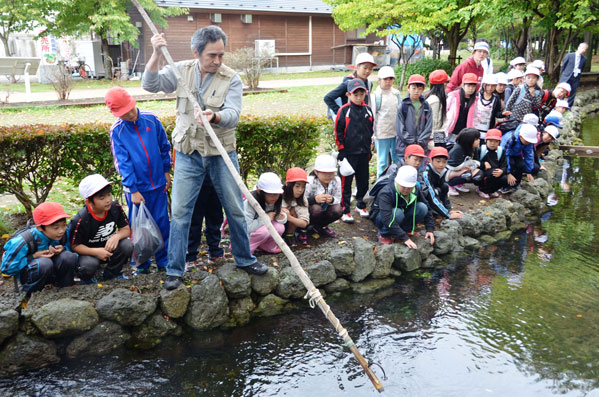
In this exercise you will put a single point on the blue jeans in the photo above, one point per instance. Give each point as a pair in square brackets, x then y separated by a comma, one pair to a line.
[406, 222]
[189, 177]
[384, 149]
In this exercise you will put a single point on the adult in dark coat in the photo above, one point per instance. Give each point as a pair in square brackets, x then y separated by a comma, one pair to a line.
[572, 67]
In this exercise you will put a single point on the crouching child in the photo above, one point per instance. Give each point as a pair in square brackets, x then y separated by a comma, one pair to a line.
[399, 206]
[493, 164]
[100, 231]
[435, 187]
[519, 149]
[40, 256]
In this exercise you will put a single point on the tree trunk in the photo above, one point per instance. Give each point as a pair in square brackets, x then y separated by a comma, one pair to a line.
[523, 40]
[107, 59]
[588, 38]
[453, 40]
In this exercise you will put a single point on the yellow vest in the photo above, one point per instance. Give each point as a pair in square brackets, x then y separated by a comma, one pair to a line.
[189, 135]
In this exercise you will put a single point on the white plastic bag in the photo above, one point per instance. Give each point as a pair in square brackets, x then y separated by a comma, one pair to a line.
[345, 168]
[145, 236]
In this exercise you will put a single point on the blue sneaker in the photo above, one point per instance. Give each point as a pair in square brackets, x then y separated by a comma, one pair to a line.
[122, 277]
[92, 280]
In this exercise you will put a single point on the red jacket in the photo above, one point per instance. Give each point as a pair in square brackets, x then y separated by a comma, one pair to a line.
[468, 66]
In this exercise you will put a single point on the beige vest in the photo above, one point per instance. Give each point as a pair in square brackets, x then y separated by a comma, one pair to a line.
[188, 134]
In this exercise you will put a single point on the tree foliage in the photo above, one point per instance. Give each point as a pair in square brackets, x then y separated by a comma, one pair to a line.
[18, 16]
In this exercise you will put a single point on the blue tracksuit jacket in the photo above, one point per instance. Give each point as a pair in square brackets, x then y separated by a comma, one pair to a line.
[141, 151]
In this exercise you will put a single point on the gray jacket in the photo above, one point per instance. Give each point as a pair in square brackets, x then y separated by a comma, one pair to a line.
[411, 127]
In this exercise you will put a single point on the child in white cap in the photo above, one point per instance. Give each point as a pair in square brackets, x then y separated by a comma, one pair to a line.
[519, 149]
[514, 78]
[100, 231]
[269, 194]
[399, 206]
[384, 101]
[323, 194]
[528, 97]
[517, 63]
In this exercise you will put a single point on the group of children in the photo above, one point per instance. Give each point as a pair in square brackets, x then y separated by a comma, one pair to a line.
[489, 131]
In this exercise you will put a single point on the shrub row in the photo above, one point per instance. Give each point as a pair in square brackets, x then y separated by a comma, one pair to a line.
[34, 156]
[423, 67]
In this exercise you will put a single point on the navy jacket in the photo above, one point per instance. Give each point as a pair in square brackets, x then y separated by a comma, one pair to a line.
[339, 93]
[354, 127]
[568, 66]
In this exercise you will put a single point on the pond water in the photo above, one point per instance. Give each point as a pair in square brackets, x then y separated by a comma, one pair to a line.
[518, 318]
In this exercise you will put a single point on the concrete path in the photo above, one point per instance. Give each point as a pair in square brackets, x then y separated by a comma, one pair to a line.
[20, 97]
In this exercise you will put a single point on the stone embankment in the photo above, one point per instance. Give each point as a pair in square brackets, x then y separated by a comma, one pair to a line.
[96, 319]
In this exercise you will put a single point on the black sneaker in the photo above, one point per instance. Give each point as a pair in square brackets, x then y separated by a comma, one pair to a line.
[256, 268]
[172, 282]
[290, 239]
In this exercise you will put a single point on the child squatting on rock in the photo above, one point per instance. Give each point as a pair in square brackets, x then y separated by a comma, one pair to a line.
[435, 187]
[40, 255]
[100, 231]
[399, 206]
[323, 194]
[269, 195]
[295, 206]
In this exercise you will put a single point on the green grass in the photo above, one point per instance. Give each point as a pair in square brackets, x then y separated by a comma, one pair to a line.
[65, 192]
[80, 84]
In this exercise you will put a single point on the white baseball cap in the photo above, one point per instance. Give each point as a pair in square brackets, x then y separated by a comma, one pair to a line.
[517, 61]
[562, 103]
[539, 64]
[529, 133]
[552, 130]
[325, 163]
[406, 176]
[532, 70]
[565, 86]
[269, 182]
[490, 79]
[386, 71]
[514, 74]
[92, 184]
[531, 119]
[364, 57]
[481, 45]
[501, 78]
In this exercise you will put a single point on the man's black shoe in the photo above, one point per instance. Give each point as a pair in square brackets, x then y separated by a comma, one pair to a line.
[256, 268]
[172, 282]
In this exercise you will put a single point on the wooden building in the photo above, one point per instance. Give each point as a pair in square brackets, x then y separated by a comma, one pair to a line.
[296, 33]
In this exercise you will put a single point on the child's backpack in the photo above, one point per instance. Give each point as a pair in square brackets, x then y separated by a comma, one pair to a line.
[484, 150]
[10, 267]
[378, 99]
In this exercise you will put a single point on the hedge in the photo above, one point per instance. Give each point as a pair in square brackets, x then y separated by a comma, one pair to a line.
[423, 67]
[34, 156]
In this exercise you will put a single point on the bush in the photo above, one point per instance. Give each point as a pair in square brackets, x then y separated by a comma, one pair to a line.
[249, 64]
[34, 156]
[423, 67]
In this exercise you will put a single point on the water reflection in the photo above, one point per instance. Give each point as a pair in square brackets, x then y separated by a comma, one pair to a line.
[518, 319]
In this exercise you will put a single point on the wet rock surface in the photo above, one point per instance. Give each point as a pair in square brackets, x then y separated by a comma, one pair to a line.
[174, 303]
[343, 261]
[9, 324]
[264, 284]
[24, 352]
[209, 306]
[406, 259]
[364, 259]
[385, 255]
[126, 307]
[270, 305]
[236, 281]
[149, 334]
[101, 339]
[65, 317]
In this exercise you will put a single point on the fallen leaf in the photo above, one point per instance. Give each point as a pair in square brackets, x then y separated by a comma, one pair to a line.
[100, 285]
[221, 283]
[166, 318]
[24, 305]
[210, 270]
[161, 281]
[341, 242]
[579, 315]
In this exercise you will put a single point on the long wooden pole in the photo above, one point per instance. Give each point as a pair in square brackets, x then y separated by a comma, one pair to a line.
[313, 292]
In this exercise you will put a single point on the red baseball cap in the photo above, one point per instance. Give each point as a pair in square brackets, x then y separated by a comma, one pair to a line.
[470, 78]
[119, 101]
[438, 77]
[438, 151]
[417, 79]
[415, 150]
[494, 133]
[47, 213]
[296, 174]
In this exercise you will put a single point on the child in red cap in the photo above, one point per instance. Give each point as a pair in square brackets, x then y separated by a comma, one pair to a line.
[460, 107]
[39, 256]
[142, 156]
[295, 206]
[493, 163]
[414, 123]
[435, 187]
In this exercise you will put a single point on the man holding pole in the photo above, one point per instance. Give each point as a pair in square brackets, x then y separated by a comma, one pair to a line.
[218, 90]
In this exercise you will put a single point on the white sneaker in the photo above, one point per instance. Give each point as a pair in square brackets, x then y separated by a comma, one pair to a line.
[347, 218]
[461, 188]
[452, 191]
[363, 212]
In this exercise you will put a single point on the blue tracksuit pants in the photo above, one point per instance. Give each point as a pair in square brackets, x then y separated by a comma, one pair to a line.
[157, 203]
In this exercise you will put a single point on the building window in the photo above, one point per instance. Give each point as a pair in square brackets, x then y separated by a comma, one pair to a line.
[356, 34]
